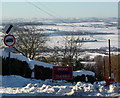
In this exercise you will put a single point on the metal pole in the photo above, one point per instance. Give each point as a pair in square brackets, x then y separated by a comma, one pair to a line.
[9, 64]
[104, 65]
[109, 60]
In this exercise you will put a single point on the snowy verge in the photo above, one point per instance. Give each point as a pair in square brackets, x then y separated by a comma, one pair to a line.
[19, 86]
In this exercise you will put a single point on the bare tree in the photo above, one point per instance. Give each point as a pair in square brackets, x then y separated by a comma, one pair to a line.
[68, 53]
[30, 42]
[71, 49]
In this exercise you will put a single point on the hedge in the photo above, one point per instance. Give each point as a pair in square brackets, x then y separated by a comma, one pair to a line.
[22, 68]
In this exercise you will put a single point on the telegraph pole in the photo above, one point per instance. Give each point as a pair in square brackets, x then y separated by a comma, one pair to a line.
[109, 59]
[104, 66]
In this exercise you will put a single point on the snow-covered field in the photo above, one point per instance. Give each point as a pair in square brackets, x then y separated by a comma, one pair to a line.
[90, 27]
[19, 86]
[102, 40]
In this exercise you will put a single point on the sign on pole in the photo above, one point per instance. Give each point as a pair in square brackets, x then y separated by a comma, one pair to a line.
[62, 72]
[9, 40]
[8, 29]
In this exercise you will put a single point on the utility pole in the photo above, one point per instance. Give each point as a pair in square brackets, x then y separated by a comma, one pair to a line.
[109, 59]
[104, 66]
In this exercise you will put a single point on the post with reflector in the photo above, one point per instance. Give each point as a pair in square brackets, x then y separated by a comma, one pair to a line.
[112, 77]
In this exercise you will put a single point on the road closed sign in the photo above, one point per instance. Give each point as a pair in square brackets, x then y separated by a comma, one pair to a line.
[9, 40]
[62, 72]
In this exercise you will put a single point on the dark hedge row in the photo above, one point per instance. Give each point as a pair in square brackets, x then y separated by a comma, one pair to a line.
[16, 67]
[42, 73]
[21, 68]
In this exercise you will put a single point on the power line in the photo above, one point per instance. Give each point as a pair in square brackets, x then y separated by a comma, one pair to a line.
[49, 9]
[41, 9]
[44, 11]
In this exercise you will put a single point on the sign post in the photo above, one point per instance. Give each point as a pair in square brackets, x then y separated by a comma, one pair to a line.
[9, 40]
[9, 63]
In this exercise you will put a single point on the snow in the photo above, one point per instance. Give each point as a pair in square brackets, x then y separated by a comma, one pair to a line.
[92, 27]
[102, 40]
[88, 63]
[81, 72]
[92, 55]
[84, 27]
[33, 62]
[14, 81]
[19, 86]
[13, 55]
[20, 57]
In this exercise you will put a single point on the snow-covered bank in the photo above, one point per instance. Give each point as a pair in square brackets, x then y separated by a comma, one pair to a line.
[20, 57]
[19, 86]
[32, 63]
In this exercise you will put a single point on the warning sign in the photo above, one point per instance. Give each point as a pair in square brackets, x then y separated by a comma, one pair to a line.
[62, 72]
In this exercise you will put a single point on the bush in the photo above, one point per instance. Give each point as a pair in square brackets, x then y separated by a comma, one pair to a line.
[42, 73]
[16, 67]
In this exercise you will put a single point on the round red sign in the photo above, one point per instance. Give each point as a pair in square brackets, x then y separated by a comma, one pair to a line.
[9, 40]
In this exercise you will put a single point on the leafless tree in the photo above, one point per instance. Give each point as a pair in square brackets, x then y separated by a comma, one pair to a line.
[30, 42]
[69, 52]
[71, 49]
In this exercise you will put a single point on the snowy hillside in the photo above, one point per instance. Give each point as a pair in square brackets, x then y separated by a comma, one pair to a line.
[19, 86]
[90, 28]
